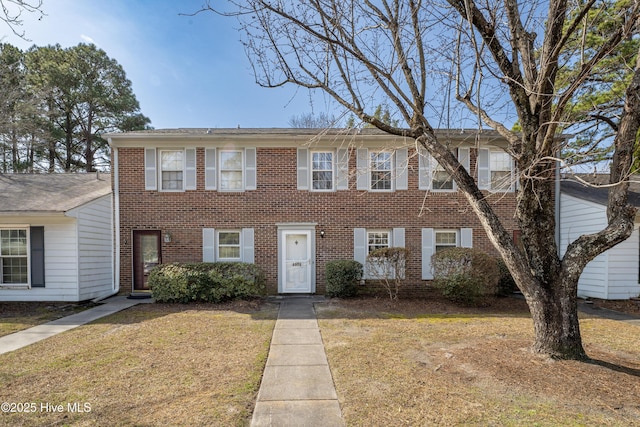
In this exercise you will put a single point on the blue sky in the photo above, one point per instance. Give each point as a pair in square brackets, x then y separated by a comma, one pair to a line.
[186, 71]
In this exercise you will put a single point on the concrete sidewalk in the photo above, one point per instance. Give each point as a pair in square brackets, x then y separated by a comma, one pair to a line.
[297, 387]
[37, 333]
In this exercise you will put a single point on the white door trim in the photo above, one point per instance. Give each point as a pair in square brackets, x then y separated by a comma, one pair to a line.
[307, 229]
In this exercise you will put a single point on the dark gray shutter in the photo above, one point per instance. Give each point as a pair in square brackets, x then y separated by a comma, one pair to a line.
[37, 257]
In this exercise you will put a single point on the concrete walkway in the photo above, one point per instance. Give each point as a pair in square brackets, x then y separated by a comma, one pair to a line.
[297, 388]
[37, 333]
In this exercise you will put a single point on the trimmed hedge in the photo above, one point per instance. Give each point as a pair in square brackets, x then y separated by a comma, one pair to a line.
[342, 277]
[465, 274]
[205, 282]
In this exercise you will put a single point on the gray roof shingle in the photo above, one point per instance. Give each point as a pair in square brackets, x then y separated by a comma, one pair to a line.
[50, 193]
[598, 191]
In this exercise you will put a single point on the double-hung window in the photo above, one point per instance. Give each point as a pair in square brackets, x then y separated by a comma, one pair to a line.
[445, 239]
[500, 167]
[229, 246]
[171, 170]
[322, 165]
[13, 257]
[495, 170]
[377, 240]
[231, 170]
[441, 179]
[381, 167]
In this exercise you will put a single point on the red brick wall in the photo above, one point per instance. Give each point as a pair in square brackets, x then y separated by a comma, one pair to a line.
[277, 200]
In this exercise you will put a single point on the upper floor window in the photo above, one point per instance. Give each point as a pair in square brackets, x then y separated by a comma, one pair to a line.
[322, 170]
[231, 170]
[171, 169]
[381, 170]
[13, 257]
[495, 170]
[441, 179]
[500, 167]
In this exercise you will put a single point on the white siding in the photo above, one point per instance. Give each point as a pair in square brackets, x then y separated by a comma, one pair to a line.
[611, 275]
[60, 252]
[95, 259]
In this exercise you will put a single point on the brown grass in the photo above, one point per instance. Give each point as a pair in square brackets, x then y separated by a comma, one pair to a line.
[16, 316]
[149, 365]
[421, 363]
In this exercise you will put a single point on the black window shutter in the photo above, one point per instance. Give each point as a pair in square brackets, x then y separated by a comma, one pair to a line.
[37, 257]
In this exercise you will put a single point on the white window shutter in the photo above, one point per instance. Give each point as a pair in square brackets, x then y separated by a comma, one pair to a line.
[150, 171]
[248, 242]
[464, 158]
[210, 169]
[424, 169]
[303, 168]
[484, 174]
[342, 169]
[402, 169]
[360, 245]
[208, 244]
[362, 169]
[250, 177]
[427, 253]
[190, 168]
[397, 239]
[466, 237]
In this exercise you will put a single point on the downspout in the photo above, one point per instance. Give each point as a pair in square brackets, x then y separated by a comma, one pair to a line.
[116, 228]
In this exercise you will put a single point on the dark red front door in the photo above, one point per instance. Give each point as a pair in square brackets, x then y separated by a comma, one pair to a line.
[146, 255]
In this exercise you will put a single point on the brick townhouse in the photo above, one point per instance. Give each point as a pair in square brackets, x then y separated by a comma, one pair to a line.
[290, 200]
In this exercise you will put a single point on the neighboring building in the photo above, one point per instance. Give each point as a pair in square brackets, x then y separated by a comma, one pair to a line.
[583, 210]
[290, 200]
[56, 237]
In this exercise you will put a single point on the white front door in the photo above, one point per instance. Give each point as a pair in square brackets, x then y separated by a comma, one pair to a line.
[297, 261]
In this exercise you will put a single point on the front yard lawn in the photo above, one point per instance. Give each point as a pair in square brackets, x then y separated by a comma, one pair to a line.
[151, 365]
[422, 363]
[16, 316]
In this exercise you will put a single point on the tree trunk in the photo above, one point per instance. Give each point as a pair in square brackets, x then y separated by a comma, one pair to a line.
[555, 320]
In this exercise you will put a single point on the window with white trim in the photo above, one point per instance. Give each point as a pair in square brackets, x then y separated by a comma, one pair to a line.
[381, 170]
[445, 239]
[500, 170]
[171, 170]
[322, 165]
[378, 240]
[231, 166]
[229, 248]
[14, 257]
[441, 179]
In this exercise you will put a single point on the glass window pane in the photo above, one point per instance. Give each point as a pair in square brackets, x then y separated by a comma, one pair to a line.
[229, 238]
[13, 242]
[231, 180]
[377, 240]
[229, 252]
[14, 270]
[171, 180]
[231, 160]
[323, 180]
[442, 180]
[171, 160]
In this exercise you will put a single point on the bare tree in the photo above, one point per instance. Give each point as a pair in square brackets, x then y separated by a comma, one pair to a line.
[312, 121]
[496, 56]
[12, 11]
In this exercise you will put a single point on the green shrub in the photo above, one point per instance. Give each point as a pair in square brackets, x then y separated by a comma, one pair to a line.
[205, 282]
[461, 288]
[342, 277]
[465, 274]
[506, 285]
